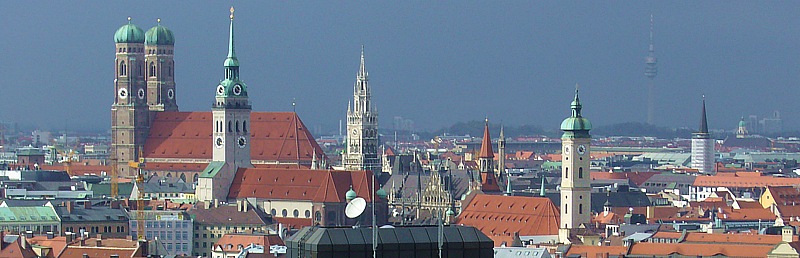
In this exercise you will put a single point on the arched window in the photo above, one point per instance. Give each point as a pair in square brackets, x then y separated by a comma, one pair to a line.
[580, 172]
[139, 69]
[296, 213]
[566, 210]
[170, 70]
[566, 172]
[195, 177]
[317, 216]
[152, 69]
[237, 126]
[274, 212]
[229, 126]
[308, 214]
[244, 126]
[183, 177]
[123, 69]
[580, 208]
[284, 212]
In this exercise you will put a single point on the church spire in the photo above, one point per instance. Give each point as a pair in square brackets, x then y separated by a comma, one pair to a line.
[486, 144]
[703, 119]
[362, 69]
[576, 104]
[231, 62]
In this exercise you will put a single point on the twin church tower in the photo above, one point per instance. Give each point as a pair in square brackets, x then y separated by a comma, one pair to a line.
[147, 126]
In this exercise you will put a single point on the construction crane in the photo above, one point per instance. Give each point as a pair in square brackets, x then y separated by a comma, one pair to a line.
[140, 195]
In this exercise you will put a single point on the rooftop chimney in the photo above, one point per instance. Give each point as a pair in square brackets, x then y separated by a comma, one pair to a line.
[87, 205]
[70, 206]
[786, 234]
[143, 248]
[99, 240]
[85, 256]
[68, 236]
[50, 235]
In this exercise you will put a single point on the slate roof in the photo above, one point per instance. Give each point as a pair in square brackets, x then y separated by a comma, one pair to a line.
[496, 215]
[230, 215]
[300, 184]
[94, 214]
[275, 136]
[744, 182]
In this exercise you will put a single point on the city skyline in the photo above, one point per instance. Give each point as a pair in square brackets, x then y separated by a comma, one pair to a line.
[512, 62]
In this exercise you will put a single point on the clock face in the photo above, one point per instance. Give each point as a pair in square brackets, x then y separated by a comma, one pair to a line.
[218, 142]
[581, 149]
[171, 94]
[241, 141]
[566, 149]
[140, 93]
[220, 90]
[237, 89]
[355, 131]
[123, 93]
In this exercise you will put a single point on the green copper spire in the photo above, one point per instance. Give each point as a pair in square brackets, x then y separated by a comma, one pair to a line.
[576, 126]
[231, 60]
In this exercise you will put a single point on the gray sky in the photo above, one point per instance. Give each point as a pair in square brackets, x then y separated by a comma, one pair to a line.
[434, 62]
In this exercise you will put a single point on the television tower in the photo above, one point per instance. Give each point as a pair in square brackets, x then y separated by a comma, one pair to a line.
[650, 70]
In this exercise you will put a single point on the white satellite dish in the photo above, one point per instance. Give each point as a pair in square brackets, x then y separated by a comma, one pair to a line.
[355, 208]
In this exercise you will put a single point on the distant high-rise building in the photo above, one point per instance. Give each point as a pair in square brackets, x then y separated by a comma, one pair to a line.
[773, 124]
[703, 147]
[575, 180]
[650, 70]
[361, 152]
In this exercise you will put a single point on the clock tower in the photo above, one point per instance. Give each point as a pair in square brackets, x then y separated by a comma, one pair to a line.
[361, 152]
[575, 179]
[129, 113]
[231, 131]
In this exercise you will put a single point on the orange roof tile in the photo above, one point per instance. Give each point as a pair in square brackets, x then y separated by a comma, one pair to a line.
[721, 249]
[744, 181]
[486, 143]
[275, 136]
[295, 223]
[299, 184]
[597, 251]
[77, 169]
[231, 242]
[496, 215]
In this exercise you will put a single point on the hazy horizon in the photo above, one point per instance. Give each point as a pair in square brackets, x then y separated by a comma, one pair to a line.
[435, 63]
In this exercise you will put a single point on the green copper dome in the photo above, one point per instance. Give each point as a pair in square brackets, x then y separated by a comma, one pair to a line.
[576, 125]
[350, 195]
[450, 213]
[129, 33]
[159, 35]
[381, 193]
[742, 123]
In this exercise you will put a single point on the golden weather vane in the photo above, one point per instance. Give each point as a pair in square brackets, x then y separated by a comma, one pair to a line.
[231, 12]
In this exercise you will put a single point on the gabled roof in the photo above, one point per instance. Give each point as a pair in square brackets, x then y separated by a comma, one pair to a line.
[299, 184]
[744, 182]
[275, 136]
[496, 215]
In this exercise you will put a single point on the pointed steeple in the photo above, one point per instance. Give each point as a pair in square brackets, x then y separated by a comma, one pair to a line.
[231, 60]
[703, 119]
[362, 69]
[486, 144]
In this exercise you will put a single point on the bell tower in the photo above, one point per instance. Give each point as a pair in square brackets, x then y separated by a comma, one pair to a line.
[361, 152]
[231, 135]
[129, 113]
[575, 179]
[160, 68]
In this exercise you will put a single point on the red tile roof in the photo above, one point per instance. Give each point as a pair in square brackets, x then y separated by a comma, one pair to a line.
[597, 251]
[295, 223]
[496, 215]
[230, 215]
[175, 166]
[77, 169]
[716, 249]
[121, 247]
[785, 194]
[486, 143]
[275, 136]
[300, 184]
[231, 242]
[744, 181]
